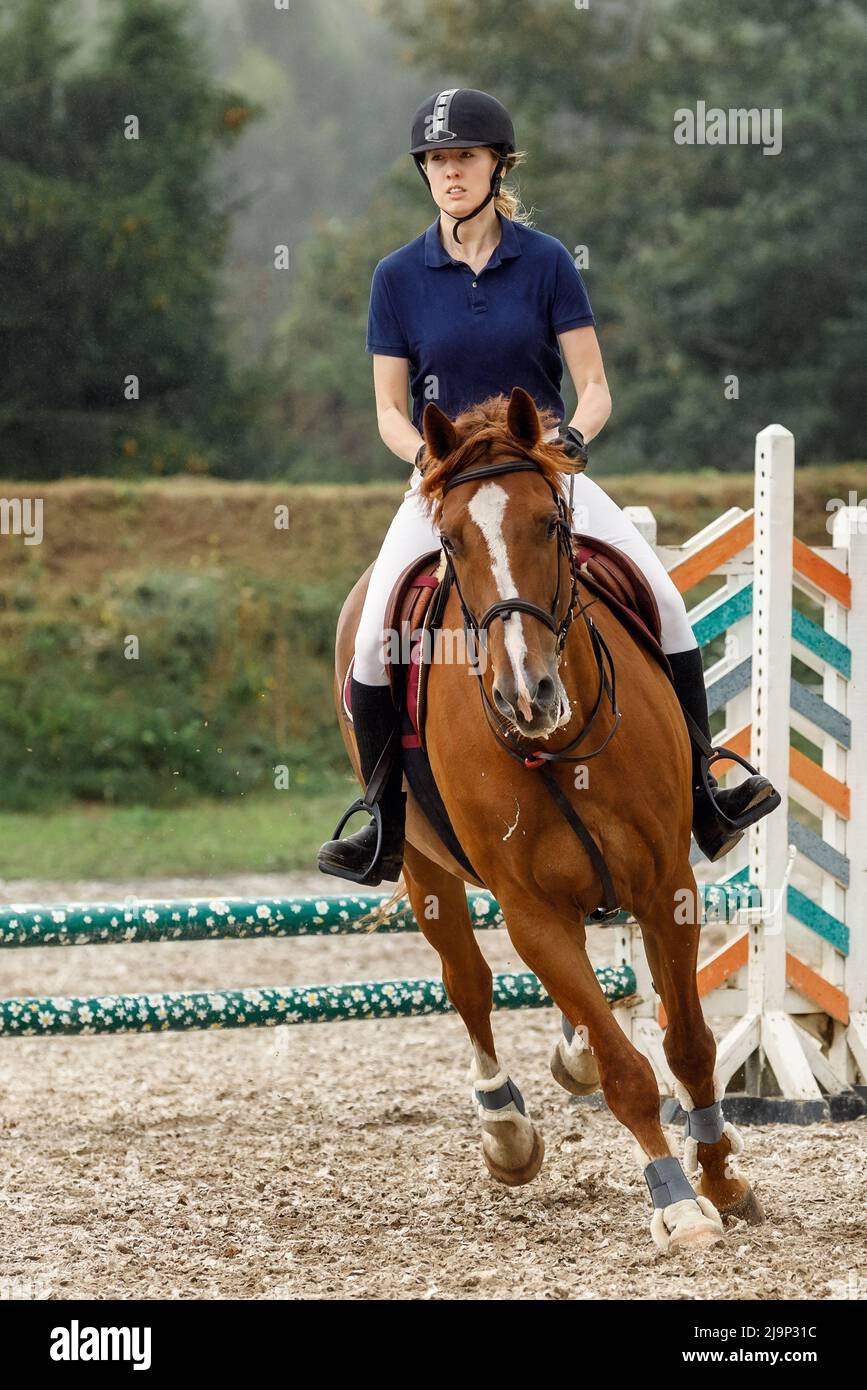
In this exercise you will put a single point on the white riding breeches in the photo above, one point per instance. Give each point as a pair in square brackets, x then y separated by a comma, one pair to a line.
[594, 513]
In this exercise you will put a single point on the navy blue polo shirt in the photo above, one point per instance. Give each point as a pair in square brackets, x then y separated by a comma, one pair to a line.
[469, 336]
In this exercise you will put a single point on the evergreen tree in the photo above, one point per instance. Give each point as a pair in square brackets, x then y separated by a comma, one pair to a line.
[706, 263]
[111, 242]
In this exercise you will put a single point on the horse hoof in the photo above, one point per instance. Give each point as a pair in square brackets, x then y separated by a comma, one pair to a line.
[587, 1079]
[747, 1208]
[516, 1177]
[686, 1225]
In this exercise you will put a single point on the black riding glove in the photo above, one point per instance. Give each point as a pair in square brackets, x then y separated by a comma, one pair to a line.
[572, 443]
[422, 450]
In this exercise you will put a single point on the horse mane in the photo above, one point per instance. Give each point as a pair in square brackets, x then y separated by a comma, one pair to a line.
[483, 437]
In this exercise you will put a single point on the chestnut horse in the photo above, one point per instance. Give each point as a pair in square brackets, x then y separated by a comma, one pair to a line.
[501, 536]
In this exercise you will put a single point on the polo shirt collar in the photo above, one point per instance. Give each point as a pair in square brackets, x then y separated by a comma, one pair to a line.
[435, 254]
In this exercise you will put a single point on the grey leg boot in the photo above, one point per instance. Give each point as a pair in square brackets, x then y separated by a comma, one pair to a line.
[377, 726]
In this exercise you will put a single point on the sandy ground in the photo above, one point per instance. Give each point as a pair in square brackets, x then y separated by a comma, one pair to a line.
[344, 1161]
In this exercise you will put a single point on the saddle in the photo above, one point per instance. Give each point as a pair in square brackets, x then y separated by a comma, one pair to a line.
[415, 610]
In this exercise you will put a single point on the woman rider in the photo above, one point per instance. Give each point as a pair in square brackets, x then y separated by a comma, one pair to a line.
[458, 318]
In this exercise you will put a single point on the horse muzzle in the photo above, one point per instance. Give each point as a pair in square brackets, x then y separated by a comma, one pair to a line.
[535, 711]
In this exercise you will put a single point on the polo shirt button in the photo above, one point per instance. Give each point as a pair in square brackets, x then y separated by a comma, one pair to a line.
[475, 284]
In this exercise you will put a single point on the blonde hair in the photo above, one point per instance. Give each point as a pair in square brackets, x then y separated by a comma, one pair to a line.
[508, 200]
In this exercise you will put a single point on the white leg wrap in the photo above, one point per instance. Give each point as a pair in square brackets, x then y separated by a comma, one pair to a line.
[576, 1045]
[690, 1150]
[688, 1223]
[508, 1136]
[492, 1083]
[576, 1057]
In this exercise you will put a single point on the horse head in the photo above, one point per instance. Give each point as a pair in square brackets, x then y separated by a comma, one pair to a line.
[494, 488]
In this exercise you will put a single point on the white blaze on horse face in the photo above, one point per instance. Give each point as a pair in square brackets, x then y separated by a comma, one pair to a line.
[486, 509]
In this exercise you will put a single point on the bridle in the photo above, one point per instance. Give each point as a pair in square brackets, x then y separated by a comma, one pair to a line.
[503, 608]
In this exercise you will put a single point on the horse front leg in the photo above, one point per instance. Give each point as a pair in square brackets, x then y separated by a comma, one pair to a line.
[512, 1146]
[690, 1048]
[554, 947]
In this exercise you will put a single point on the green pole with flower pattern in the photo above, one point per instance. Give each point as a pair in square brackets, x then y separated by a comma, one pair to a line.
[263, 1008]
[214, 919]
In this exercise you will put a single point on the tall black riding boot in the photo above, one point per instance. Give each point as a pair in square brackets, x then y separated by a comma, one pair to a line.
[756, 795]
[375, 718]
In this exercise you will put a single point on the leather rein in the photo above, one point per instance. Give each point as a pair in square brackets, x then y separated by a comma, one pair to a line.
[503, 608]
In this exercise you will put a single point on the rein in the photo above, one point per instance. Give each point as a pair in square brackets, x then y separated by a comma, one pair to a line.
[503, 608]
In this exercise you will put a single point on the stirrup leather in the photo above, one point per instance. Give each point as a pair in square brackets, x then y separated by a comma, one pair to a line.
[370, 802]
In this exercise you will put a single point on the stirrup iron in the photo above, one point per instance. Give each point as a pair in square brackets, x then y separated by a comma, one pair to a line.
[709, 755]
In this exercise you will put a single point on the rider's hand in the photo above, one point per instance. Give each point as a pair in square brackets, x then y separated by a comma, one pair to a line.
[422, 450]
[572, 443]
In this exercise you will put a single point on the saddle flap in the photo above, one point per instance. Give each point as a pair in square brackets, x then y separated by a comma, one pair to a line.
[408, 603]
[620, 584]
[620, 577]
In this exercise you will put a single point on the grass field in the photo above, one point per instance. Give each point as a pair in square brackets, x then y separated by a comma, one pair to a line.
[278, 832]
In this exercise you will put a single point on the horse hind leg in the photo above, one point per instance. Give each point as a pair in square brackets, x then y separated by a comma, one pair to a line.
[512, 1146]
[712, 1144]
[573, 1065]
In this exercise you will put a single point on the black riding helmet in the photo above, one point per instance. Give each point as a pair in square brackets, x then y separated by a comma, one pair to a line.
[459, 119]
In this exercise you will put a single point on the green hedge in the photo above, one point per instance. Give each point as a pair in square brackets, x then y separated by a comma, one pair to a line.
[233, 678]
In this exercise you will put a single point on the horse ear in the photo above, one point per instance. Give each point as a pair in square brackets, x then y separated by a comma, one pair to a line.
[522, 418]
[439, 432]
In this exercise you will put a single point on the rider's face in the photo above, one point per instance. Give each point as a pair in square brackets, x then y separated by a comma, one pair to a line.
[460, 179]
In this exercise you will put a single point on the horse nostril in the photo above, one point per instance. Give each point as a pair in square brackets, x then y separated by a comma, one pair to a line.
[501, 702]
[544, 692]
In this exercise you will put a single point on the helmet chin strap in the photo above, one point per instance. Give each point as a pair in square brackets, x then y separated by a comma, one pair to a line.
[496, 179]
